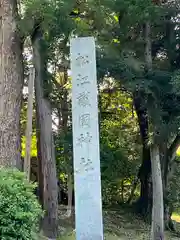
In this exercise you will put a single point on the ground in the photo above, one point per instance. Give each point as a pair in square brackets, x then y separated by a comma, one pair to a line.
[118, 225]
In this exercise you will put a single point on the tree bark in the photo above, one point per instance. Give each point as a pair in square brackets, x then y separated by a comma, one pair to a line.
[50, 191]
[70, 191]
[158, 206]
[11, 75]
[169, 168]
[27, 159]
[144, 203]
[165, 165]
[39, 157]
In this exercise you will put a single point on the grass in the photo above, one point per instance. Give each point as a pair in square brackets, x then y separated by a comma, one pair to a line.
[118, 225]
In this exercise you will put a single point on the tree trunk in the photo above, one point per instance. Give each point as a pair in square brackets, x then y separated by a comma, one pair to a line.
[158, 209]
[144, 203]
[122, 191]
[168, 210]
[169, 168]
[158, 205]
[11, 75]
[27, 159]
[70, 191]
[145, 200]
[50, 191]
[39, 158]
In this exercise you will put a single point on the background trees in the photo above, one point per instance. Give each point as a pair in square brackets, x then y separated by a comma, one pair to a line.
[138, 81]
[11, 73]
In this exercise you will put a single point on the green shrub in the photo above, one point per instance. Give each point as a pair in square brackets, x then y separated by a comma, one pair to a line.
[20, 211]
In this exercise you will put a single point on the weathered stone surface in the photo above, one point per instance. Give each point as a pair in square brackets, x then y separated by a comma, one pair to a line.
[88, 204]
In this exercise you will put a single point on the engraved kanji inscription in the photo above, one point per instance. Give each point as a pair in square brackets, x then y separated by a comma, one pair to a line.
[83, 99]
[82, 60]
[86, 165]
[84, 138]
[86, 162]
[82, 80]
[84, 120]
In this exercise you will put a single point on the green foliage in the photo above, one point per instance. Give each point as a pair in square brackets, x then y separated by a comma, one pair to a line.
[20, 211]
[119, 144]
[63, 144]
[118, 28]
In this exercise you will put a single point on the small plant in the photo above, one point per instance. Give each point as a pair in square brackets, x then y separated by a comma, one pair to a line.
[20, 211]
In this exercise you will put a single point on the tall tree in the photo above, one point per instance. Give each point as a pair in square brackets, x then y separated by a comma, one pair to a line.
[124, 59]
[27, 159]
[11, 75]
[46, 144]
[158, 207]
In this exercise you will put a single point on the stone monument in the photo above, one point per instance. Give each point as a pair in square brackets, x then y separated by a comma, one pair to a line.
[87, 177]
